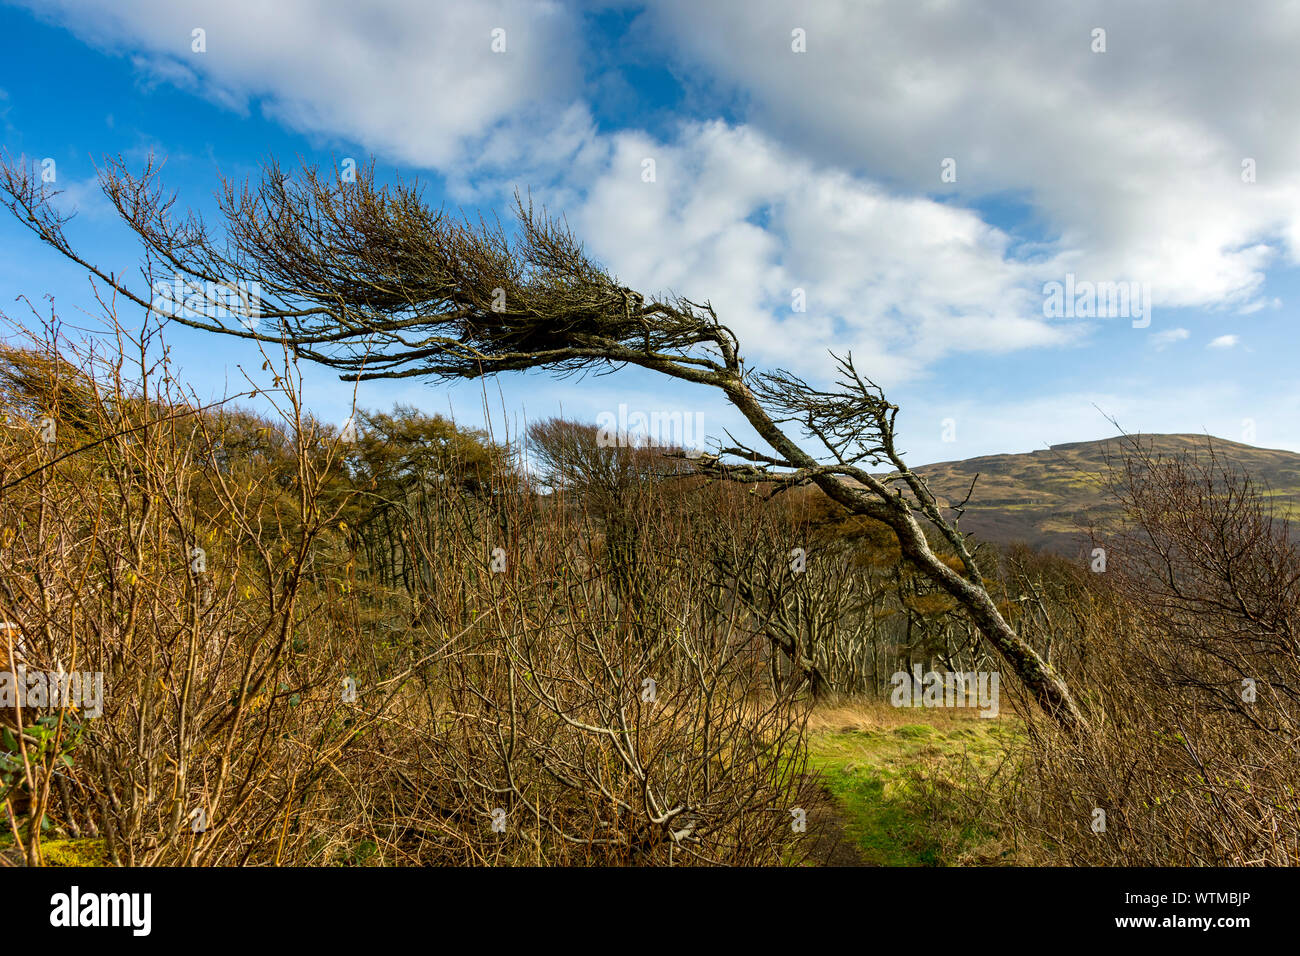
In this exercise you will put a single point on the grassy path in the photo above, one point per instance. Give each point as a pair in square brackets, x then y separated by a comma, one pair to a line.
[912, 787]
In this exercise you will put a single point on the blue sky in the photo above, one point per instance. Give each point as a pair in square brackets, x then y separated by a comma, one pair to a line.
[776, 170]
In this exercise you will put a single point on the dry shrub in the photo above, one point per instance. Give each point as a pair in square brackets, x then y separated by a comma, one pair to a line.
[1190, 670]
[275, 694]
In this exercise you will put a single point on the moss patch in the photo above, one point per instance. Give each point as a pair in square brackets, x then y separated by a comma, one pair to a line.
[85, 852]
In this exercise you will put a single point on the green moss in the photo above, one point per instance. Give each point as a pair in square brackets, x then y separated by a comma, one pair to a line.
[85, 852]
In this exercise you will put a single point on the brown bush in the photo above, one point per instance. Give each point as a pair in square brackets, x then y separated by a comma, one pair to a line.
[1191, 668]
[276, 694]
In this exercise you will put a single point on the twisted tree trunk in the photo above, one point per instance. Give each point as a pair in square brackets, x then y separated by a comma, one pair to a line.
[1039, 677]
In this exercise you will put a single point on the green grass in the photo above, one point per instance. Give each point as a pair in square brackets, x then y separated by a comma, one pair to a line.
[917, 794]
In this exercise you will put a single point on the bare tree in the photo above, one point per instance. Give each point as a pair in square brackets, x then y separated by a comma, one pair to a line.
[370, 281]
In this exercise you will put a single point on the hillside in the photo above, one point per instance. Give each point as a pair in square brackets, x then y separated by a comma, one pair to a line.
[1048, 498]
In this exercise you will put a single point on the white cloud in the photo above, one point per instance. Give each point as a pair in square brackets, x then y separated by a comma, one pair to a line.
[414, 81]
[1161, 340]
[1224, 342]
[742, 221]
[1131, 160]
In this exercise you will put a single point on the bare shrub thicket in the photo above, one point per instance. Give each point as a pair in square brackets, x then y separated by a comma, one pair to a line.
[1190, 664]
[832, 606]
[323, 648]
[390, 646]
[841, 609]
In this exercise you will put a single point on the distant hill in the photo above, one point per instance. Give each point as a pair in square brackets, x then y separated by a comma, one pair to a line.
[1046, 498]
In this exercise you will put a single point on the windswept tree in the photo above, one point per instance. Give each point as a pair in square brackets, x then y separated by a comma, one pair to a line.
[369, 280]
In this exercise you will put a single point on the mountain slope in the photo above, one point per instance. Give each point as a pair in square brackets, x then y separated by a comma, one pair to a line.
[1048, 498]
